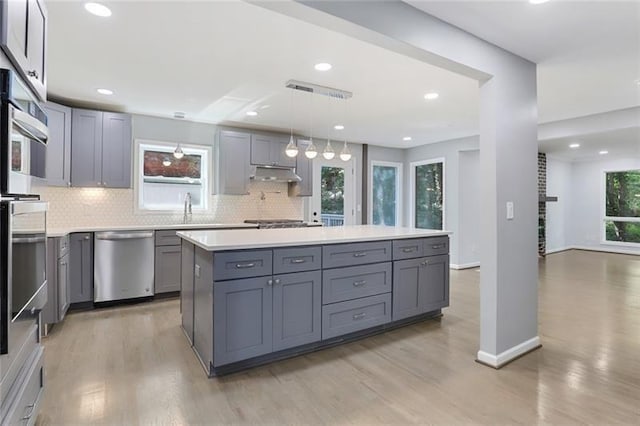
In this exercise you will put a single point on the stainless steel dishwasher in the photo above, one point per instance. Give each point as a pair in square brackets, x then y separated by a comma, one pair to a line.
[123, 266]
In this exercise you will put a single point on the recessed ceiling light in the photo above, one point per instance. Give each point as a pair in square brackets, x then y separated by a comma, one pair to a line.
[574, 145]
[603, 152]
[338, 127]
[323, 66]
[538, 1]
[431, 96]
[406, 138]
[105, 91]
[252, 113]
[98, 9]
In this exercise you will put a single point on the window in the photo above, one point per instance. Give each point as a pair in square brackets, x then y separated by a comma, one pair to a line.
[427, 194]
[622, 207]
[164, 181]
[385, 195]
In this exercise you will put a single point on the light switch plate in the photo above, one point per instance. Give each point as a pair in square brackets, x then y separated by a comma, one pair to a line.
[509, 210]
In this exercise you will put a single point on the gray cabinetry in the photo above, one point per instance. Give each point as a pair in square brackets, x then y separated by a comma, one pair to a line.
[304, 169]
[296, 259]
[242, 264]
[101, 149]
[233, 168]
[336, 255]
[354, 282]
[354, 315]
[186, 289]
[81, 267]
[58, 165]
[23, 35]
[267, 150]
[420, 285]
[167, 269]
[58, 280]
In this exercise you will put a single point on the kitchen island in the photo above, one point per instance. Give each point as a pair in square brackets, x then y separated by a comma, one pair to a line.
[249, 297]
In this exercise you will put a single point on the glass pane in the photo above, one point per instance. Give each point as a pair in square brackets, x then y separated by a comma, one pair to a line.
[627, 232]
[623, 194]
[332, 196]
[158, 163]
[429, 196]
[384, 195]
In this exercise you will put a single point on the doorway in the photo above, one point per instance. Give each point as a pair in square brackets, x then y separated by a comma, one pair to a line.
[333, 200]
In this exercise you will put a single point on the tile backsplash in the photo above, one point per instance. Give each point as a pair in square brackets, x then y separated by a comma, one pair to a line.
[87, 207]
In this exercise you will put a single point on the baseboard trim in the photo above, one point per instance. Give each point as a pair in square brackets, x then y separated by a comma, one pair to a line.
[464, 265]
[558, 250]
[504, 358]
[607, 250]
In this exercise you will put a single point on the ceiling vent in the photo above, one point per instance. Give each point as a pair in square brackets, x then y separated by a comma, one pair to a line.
[318, 90]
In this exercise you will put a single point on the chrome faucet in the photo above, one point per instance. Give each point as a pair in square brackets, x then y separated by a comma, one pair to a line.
[188, 213]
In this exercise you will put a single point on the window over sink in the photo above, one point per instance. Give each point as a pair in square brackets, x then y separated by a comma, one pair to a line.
[163, 181]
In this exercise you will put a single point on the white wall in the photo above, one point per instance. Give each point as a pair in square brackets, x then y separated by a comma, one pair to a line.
[587, 201]
[558, 213]
[469, 205]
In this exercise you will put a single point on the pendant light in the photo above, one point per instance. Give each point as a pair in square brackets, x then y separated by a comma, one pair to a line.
[345, 154]
[328, 152]
[178, 153]
[292, 149]
[166, 162]
[311, 152]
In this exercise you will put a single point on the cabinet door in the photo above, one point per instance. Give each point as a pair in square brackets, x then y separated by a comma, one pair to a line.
[86, 144]
[63, 286]
[14, 31]
[168, 269]
[261, 150]
[406, 288]
[242, 319]
[233, 163]
[434, 283]
[81, 268]
[58, 165]
[304, 169]
[116, 150]
[50, 310]
[278, 155]
[297, 307]
[36, 38]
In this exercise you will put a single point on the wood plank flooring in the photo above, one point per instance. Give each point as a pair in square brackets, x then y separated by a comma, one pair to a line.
[132, 365]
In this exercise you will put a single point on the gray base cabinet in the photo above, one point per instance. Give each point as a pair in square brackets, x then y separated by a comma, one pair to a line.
[58, 297]
[81, 267]
[167, 269]
[187, 288]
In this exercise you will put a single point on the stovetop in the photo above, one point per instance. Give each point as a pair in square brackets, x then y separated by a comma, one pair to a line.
[277, 223]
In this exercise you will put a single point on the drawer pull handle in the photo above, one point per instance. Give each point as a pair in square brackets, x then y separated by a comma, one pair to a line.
[359, 283]
[298, 261]
[276, 281]
[361, 254]
[424, 263]
[408, 250]
[359, 316]
[245, 265]
[31, 408]
[269, 282]
[437, 246]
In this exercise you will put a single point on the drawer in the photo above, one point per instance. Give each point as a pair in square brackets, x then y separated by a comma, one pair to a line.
[336, 255]
[63, 246]
[241, 264]
[435, 246]
[343, 284]
[296, 259]
[408, 249]
[25, 406]
[167, 238]
[354, 315]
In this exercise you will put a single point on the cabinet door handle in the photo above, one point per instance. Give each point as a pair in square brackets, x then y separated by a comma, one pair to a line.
[31, 408]
[245, 265]
[276, 281]
[359, 283]
[408, 250]
[361, 254]
[437, 246]
[424, 263]
[269, 282]
[86, 237]
[298, 261]
[359, 316]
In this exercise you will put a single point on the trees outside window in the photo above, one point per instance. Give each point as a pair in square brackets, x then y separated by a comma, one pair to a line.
[385, 193]
[622, 206]
[429, 195]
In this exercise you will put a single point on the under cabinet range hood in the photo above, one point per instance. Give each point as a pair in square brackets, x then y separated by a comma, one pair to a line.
[274, 174]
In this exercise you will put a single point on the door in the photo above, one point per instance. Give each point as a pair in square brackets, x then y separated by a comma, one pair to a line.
[116, 150]
[296, 309]
[333, 200]
[86, 152]
[427, 188]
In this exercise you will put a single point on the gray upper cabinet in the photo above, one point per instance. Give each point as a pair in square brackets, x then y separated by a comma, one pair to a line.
[58, 165]
[269, 151]
[81, 267]
[232, 159]
[101, 149]
[304, 169]
[23, 35]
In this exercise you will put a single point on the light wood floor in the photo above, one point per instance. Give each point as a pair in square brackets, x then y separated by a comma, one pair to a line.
[132, 365]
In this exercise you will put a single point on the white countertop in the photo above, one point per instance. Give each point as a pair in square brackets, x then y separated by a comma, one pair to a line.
[265, 238]
[59, 232]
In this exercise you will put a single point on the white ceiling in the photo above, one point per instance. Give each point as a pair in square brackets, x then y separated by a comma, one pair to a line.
[216, 60]
[621, 143]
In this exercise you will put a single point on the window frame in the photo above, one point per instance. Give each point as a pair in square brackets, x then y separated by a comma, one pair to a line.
[207, 171]
[399, 175]
[603, 212]
[412, 189]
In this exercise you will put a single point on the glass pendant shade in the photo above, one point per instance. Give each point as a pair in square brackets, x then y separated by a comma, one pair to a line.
[178, 153]
[166, 162]
[345, 154]
[311, 151]
[291, 150]
[328, 152]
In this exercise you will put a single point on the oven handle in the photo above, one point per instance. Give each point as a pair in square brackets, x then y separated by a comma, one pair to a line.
[21, 240]
[30, 126]
[25, 207]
